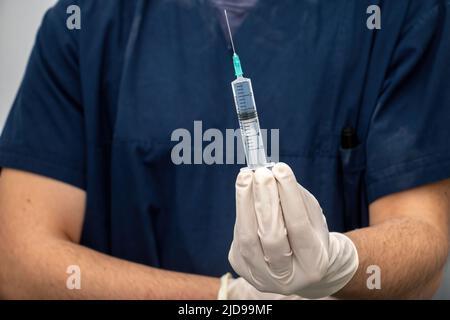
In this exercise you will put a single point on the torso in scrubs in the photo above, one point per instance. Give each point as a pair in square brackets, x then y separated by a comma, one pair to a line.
[98, 106]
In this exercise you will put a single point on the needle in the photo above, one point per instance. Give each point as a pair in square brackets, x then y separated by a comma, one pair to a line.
[229, 30]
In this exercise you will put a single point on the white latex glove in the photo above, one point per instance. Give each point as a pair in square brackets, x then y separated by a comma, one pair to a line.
[281, 240]
[239, 289]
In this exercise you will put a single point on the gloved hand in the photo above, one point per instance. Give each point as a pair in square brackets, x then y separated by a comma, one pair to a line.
[281, 240]
[239, 289]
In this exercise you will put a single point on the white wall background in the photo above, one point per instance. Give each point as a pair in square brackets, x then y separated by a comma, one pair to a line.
[19, 21]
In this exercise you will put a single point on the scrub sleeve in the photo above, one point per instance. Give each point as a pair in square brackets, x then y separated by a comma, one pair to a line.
[408, 141]
[44, 132]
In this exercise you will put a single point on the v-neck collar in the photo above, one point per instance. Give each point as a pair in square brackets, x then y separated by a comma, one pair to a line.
[256, 15]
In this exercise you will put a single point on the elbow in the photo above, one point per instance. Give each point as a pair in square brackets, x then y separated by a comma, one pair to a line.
[443, 254]
[429, 289]
[7, 276]
[13, 282]
[5, 285]
[439, 253]
[434, 280]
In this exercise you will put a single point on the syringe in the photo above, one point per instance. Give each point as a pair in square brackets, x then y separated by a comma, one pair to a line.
[247, 115]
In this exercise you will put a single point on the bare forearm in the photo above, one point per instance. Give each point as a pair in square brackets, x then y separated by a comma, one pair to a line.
[410, 254]
[37, 269]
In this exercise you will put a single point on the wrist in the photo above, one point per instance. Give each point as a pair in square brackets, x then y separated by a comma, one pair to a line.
[344, 261]
[223, 288]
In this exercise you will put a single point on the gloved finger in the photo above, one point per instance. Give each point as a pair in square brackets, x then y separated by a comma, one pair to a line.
[300, 230]
[245, 268]
[315, 213]
[246, 228]
[237, 262]
[271, 229]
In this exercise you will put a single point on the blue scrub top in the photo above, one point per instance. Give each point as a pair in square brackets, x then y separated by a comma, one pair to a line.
[97, 107]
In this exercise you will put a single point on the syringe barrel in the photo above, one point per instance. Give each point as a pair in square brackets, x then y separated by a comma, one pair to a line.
[249, 123]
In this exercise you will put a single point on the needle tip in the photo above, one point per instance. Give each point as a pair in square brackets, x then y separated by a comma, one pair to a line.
[229, 30]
